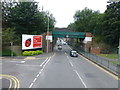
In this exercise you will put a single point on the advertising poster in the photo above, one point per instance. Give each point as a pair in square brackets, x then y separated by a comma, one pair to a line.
[31, 41]
[37, 41]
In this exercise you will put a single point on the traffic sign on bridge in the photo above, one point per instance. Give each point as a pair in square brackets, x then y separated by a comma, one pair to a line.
[68, 34]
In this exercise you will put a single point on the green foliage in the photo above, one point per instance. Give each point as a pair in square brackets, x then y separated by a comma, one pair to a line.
[8, 35]
[105, 26]
[111, 24]
[25, 18]
[31, 53]
[85, 20]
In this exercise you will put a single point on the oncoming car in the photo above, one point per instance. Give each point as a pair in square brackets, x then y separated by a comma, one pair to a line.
[73, 53]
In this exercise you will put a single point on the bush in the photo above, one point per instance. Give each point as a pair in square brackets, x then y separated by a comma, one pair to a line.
[31, 53]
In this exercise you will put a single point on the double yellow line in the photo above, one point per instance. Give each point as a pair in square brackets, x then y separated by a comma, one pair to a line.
[15, 80]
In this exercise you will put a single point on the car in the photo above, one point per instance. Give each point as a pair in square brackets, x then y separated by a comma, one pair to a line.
[73, 53]
[59, 47]
[64, 43]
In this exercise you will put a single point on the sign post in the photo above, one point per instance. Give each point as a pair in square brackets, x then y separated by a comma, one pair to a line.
[11, 43]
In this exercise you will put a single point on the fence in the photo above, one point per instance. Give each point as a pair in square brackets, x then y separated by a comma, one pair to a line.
[104, 62]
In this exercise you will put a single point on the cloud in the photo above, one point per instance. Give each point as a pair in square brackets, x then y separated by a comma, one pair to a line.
[63, 10]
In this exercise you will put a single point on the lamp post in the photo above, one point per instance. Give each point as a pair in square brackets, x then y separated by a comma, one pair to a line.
[47, 35]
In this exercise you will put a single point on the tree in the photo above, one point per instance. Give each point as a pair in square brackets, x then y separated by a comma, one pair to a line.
[85, 20]
[8, 36]
[25, 18]
[111, 24]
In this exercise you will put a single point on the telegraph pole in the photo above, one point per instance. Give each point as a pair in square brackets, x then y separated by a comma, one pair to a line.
[47, 35]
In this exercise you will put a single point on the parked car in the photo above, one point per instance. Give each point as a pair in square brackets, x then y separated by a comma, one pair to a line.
[73, 53]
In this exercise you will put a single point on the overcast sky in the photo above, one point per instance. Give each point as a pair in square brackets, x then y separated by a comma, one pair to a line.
[64, 10]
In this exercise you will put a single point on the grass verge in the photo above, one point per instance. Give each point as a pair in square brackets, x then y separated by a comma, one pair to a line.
[111, 56]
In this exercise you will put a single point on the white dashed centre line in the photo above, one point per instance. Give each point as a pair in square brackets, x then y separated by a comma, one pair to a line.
[71, 63]
[38, 75]
[31, 85]
[34, 79]
[43, 62]
[43, 66]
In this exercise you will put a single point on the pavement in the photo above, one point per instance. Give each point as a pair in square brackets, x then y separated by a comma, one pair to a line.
[44, 55]
[55, 70]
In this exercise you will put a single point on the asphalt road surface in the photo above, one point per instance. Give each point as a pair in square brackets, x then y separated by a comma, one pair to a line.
[56, 70]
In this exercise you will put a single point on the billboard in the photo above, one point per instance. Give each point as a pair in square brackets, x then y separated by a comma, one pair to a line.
[31, 41]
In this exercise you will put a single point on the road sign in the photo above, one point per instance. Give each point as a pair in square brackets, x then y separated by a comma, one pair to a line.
[49, 37]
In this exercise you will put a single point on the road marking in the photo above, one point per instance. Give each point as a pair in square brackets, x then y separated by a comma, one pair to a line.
[46, 62]
[80, 78]
[28, 65]
[29, 58]
[10, 84]
[41, 69]
[43, 62]
[101, 68]
[34, 79]
[71, 63]
[38, 75]
[69, 60]
[31, 85]
[22, 61]
[40, 72]
[12, 61]
[16, 81]
[67, 57]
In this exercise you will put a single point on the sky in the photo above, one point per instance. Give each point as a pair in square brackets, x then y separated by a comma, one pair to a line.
[64, 10]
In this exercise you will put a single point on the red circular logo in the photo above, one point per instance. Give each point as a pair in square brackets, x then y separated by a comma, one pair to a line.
[28, 42]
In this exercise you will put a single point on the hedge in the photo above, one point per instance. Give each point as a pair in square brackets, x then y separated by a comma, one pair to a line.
[31, 53]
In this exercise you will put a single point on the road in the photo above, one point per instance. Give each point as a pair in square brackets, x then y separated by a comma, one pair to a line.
[56, 70]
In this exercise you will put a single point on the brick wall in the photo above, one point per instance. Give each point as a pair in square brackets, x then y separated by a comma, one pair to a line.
[95, 50]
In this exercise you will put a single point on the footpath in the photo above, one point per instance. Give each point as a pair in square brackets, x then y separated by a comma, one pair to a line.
[45, 55]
